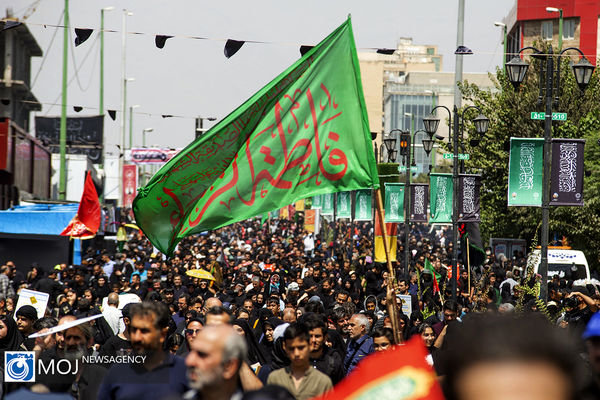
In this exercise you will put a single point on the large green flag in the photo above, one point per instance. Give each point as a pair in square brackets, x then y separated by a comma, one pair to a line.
[303, 134]
[525, 172]
[440, 195]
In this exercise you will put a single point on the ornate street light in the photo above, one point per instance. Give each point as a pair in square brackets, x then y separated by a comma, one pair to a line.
[549, 85]
[516, 70]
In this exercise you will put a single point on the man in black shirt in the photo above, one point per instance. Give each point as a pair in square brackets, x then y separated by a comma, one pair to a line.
[49, 285]
[322, 357]
[119, 345]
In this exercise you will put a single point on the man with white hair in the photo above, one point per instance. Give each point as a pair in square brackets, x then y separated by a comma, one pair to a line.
[360, 344]
[111, 313]
[214, 363]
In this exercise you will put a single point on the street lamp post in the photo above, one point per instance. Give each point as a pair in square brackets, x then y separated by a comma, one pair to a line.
[516, 70]
[560, 24]
[131, 125]
[505, 35]
[200, 125]
[481, 126]
[102, 57]
[124, 81]
[407, 150]
[146, 130]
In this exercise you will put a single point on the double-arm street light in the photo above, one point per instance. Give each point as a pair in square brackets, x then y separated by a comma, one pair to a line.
[516, 70]
[407, 152]
[456, 125]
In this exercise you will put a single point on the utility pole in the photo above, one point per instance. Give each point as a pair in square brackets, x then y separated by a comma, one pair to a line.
[123, 101]
[102, 57]
[131, 125]
[460, 38]
[62, 185]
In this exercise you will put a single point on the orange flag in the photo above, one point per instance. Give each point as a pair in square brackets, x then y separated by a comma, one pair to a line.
[399, 373]
[86, 222]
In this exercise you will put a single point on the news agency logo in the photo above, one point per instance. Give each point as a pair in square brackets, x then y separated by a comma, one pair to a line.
[19, 366]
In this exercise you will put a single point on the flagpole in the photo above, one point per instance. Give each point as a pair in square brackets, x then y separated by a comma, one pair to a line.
[468, 266]
[392, 308]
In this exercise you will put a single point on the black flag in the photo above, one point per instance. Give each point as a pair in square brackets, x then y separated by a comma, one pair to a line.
[232, 47]
[470, 231]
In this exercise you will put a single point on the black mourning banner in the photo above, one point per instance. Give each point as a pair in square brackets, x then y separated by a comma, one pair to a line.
[468, 198]
[84, 135]
[419, 201]
[566, 176]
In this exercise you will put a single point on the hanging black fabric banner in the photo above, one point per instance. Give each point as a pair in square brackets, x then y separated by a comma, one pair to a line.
[566, 176]
[419, 201]
[468, 198]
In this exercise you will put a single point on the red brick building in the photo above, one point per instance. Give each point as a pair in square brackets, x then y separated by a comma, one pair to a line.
[529, 21]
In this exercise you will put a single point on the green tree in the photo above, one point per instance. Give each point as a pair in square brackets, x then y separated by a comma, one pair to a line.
[509, 113]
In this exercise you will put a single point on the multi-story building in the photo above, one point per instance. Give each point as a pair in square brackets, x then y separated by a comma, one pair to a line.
[24, 161]
[529, 21]
[376, 69]
[402, 88]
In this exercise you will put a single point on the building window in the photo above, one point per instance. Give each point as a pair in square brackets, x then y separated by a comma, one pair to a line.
[569, 26]
[547, 30]
[419, 105]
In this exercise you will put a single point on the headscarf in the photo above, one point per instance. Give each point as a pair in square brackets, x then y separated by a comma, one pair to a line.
[255, 352]
[13, 339]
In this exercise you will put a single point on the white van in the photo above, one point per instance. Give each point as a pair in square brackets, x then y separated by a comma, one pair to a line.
[567, 264]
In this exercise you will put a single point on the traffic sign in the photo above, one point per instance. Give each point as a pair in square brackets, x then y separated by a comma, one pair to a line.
[413, 168]
[555, 116]
[538, 115]
[449, 156]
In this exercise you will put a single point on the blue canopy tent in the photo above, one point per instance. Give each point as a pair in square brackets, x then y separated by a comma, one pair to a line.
[31, 233]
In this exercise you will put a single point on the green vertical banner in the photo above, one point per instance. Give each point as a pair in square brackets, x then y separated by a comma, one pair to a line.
[440, 198]
[394, 202]
[327, 205]
[344, 205]
[525, 172]
[317, 202]
[363, 210]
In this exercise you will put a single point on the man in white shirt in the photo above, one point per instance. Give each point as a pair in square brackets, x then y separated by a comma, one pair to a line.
[111, 313]
[309, 243]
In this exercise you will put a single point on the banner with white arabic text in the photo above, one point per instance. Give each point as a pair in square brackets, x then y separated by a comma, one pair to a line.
[394, 202]
[344, 205]
[440, 198]
[469, 187]
[363, 210]
[525, 172]
[566, 177]
[419, 201]
[317, 202]
[327, 205]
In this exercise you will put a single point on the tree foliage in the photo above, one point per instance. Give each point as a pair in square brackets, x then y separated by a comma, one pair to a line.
[509, 113]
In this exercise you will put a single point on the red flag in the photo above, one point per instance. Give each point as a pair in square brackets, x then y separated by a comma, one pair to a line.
[436, 286]
[86, 222]
[399, 373]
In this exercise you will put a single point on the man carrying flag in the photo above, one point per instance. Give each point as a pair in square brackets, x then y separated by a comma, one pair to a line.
[305, 133]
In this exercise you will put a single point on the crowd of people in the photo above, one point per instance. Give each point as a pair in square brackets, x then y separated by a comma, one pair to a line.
[288, 314]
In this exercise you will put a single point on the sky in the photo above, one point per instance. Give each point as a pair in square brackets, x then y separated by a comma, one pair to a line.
[190, 78]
